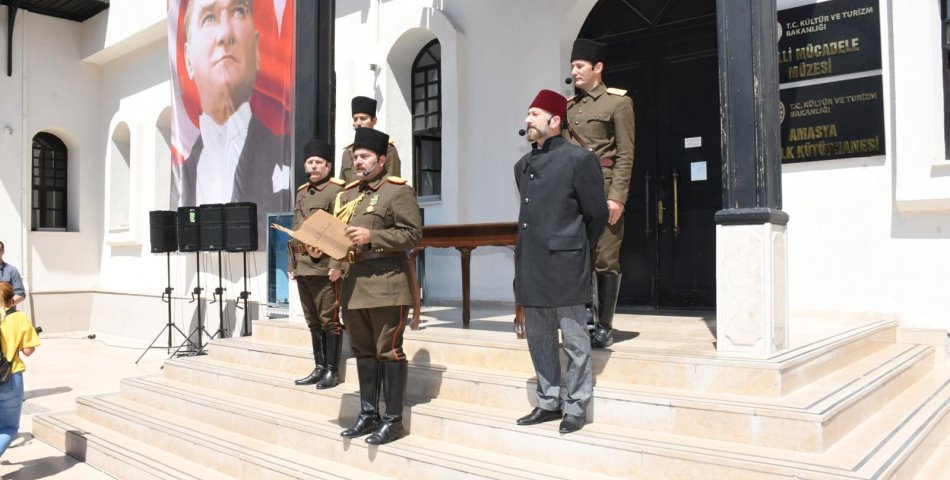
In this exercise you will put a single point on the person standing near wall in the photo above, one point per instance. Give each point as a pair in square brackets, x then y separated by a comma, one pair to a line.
[364, 116]
[9, 273]
[384, 223]
[18, 337]
[310, 268]
[601, 119]
[563, 212]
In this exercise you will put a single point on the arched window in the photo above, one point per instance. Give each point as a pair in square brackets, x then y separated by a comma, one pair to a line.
[427, 120]
[49, 182]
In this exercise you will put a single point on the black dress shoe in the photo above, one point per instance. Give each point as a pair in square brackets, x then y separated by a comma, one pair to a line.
[539, 415]
[571, 423]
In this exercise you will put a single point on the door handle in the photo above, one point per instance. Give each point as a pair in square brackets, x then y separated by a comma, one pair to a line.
[676, 203]
[646, 203]
[659, 212]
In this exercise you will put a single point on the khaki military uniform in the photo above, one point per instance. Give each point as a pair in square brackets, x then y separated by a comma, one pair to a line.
[375, 291]
[318, 295]
[346, 165]
[602, 120]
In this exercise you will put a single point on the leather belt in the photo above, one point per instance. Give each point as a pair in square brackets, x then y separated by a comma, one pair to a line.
[607, 162]
[355, 257]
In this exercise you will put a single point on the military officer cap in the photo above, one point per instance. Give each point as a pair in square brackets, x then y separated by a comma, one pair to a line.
[370, 139]
[551, 102]
[363, 105]
[590, 50]
[317, 148]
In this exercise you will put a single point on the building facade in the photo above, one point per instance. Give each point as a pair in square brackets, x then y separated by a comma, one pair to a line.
[867, 235]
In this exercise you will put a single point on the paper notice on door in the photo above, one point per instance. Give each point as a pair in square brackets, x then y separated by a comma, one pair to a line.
[697, 171]
[693, 142]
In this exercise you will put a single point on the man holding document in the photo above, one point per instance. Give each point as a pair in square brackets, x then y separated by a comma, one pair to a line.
[383, 223]
[375, 222]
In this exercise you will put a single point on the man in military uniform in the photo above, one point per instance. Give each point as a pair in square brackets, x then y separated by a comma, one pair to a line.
[364, 116]
[311, 269]
[601, 120]
[384, 223]
[563, 212]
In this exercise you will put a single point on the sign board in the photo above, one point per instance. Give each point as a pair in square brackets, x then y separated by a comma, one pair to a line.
[828, 39]
[840, 119]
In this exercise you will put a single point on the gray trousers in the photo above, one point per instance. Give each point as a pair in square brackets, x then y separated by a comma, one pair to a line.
[541, 328]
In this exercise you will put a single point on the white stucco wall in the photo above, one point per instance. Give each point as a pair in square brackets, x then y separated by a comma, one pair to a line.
[873, 234]
[868, 234]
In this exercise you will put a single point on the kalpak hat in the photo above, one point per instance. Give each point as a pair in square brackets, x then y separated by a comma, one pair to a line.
[317, 148]
[370, 139]
[551, 102]
[590, 50]
[363, 105]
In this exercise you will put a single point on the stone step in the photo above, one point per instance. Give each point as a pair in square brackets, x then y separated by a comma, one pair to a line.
[880, 445]
[315, 434]
[774, 375]
[810, 419]
[223, 451]
[115, 454]
[934, 459]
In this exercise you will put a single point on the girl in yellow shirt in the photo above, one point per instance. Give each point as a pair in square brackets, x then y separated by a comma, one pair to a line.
[18, 336]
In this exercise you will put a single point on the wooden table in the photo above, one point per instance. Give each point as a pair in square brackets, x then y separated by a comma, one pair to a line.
[464, 238]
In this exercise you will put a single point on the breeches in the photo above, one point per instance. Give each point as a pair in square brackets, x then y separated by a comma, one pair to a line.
[318, 297]
[376, 332]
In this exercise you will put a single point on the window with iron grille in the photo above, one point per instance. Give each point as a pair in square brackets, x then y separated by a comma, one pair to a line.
[49, 182]
[427, 120]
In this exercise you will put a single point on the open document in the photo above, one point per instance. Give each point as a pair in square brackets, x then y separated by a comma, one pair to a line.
[321, 230]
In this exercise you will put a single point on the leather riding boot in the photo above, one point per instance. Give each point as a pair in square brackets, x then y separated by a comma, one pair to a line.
[395, 375]
[608, 289]
[317, 340]
[367, 369]
[331, 376]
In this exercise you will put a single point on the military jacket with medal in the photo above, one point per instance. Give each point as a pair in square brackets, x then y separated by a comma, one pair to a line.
[377, 274]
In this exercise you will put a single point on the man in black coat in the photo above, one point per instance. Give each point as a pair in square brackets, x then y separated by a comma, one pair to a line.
[563, 212]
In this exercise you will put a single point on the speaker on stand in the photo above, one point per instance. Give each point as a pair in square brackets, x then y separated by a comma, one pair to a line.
[163, 236]
[212, 239]
[241, 236]
[189, 240]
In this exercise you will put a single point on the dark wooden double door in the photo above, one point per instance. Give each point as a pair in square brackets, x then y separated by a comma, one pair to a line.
[668, 258]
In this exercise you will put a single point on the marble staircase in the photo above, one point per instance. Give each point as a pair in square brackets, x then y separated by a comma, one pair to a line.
[846, 402]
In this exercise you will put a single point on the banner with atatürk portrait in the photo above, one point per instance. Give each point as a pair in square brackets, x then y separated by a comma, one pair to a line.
[232, 80]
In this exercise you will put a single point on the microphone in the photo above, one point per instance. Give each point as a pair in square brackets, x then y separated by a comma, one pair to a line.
[568, 80]
[522, 132]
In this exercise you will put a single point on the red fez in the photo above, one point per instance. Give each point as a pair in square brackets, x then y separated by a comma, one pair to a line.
[551, 102]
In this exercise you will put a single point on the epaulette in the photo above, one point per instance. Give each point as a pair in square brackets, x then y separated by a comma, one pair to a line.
[351, 184]
[572, 98]
[337, 181]
[397, 180]
[348, 146]
[303, 186]
[391, 142]
[616, 91]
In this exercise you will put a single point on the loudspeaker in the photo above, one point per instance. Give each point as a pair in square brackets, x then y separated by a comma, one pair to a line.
[241, 224]
[162, 227]
[188, 229]
[211, 225]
